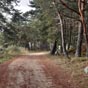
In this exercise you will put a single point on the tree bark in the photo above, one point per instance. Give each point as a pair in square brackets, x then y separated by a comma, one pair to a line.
[81, 6]
[62, 38]
[70, 36]
[62, 31]
[54, 48]
[79, 41]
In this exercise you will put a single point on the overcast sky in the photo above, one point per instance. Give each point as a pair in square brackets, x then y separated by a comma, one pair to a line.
[23, 6]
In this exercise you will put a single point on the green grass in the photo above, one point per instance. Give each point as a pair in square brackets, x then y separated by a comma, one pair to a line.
[5, 58]
[11, 52]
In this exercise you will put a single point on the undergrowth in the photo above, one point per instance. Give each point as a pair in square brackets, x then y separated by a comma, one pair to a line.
[10, 52]
[75, 67]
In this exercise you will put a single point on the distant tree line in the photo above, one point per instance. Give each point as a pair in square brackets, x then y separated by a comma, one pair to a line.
[56, 25]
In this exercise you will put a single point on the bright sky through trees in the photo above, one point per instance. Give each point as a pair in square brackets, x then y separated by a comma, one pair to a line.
[23, 6]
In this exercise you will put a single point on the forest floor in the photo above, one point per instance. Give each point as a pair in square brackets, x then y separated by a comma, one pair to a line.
[35, 71]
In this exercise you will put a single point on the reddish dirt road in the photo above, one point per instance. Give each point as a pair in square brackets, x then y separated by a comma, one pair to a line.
[31, 71]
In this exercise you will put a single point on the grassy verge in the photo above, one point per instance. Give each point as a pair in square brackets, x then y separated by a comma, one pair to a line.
[5, 58]
[11, 52]
[75, 67]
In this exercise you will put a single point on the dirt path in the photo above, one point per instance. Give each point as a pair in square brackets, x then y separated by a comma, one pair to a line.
[33, 72]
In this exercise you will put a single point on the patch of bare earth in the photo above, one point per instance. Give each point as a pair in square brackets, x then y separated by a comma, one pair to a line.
[34, 72]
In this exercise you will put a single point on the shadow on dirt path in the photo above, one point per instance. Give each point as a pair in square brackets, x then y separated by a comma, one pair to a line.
[35, 70]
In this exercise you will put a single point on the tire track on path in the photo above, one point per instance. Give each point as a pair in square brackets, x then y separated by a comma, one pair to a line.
[34, 71]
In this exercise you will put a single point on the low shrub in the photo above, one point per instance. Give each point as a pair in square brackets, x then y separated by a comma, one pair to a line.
[11, 51]
[15, 50]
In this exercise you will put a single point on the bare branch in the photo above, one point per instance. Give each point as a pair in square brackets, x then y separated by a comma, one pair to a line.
[63, 3]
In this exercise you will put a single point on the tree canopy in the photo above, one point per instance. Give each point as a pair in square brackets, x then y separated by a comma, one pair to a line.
[57, 25]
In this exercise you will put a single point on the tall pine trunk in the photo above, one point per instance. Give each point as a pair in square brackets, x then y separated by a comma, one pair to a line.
[62, 31]
[54, 48]
[81, 5]
[63, 38]
[79, 41]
